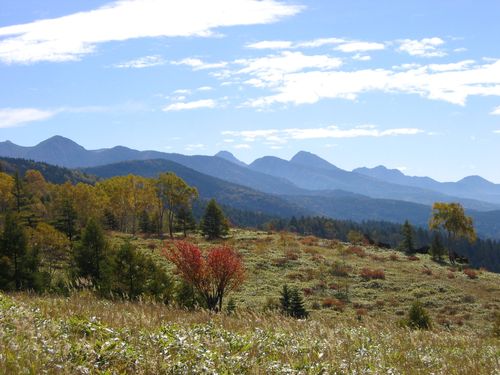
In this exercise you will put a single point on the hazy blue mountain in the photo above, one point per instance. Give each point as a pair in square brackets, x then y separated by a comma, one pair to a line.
[64, 152]
[310, 172]
[473, 187]
[305, 174]
[230, 157]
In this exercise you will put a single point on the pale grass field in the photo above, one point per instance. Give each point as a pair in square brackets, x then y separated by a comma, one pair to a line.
[82, 334]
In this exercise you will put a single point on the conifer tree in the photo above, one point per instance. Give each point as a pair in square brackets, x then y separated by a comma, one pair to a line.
[19, 265]
[407, 244]
[214, 223]
[297, 308]
[92, 255]
[285, 300]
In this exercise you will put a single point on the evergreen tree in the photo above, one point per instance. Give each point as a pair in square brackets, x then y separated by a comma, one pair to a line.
[407, 244]
[297, 308]
[285, 300]
[129, 271]
[214, 224]
[19, 265]
[92, 255]
[437, 249]
[185, 220]
[418, 317]
[292, 303]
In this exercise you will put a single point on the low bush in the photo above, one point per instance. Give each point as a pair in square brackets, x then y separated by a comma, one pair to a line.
[372, 274]
[471, 274]
[418, 317]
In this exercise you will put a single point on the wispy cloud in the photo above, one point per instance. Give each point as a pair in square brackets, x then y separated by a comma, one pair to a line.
[195, 147]
[427, 47]
[13, 117]
[198, 64]
[142, 62]
[197, 104]
[287, 44]
[452, 83]
[70, 37]
[496, 111]
[281, 136]
[357, 46]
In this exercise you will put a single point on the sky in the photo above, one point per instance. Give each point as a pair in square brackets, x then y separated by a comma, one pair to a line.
[413, 84]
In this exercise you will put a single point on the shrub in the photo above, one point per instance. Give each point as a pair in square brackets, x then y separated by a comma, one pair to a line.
[340, 270]
[334, 303]
[292, 303]
[394, 257]
[496, 325]
[371, 274]
[309, 241]
[418, 318]
[356, 250]
[413, 258]
[471, 274]
[427, 271]
[355, 237]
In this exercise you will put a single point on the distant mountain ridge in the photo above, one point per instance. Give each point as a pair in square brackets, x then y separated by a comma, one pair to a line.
[305, 174]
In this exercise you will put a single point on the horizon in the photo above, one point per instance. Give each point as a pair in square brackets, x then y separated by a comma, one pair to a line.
[249, 162]
[413, 86]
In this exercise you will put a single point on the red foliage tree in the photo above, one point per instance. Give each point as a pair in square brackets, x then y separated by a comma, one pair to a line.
[212, 275]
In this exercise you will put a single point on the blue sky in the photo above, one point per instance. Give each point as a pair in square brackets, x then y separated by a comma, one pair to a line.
[413, 85]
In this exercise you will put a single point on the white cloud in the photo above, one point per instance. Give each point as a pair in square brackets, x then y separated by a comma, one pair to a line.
[360, 57]
[357, 46]
[198, 64]
[271, 44]
[496, 131]
[269, 71]
[287, 44]
[205, 88]
[12, 117]
[436, 82]
[203, 103]
[496, 111]
[142, 62]
[281, 136]
[461, 65]
[427, 47]
[70, 37]
[242, 146]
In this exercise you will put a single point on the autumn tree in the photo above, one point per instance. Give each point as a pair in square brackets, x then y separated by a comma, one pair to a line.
[6, 190]
[451, 218]
[213, 275]
[52, 245]
[214, 224]
[173, 194]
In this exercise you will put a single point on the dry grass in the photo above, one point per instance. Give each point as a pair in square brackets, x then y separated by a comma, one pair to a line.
[80, 332]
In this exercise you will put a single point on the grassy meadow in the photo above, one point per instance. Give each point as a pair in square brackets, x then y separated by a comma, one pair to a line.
[357, 297]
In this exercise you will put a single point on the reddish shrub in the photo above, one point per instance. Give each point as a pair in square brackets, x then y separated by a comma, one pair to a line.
[427, 271]
[394, 257]
[291, 254]
[213, 275]
[412, 258]
[370, 274]
[377, 258]
[309, 241]
[471, 274]
[360, 252]
[361, 312]
[451, 275]
[334, 286]
[334, 303]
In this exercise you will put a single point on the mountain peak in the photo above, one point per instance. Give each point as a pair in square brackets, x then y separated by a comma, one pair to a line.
[60, 141]
[475, 181]
[311, 160]
[229, 157]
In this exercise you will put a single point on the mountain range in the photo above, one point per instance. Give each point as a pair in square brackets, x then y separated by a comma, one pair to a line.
[303, 185]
